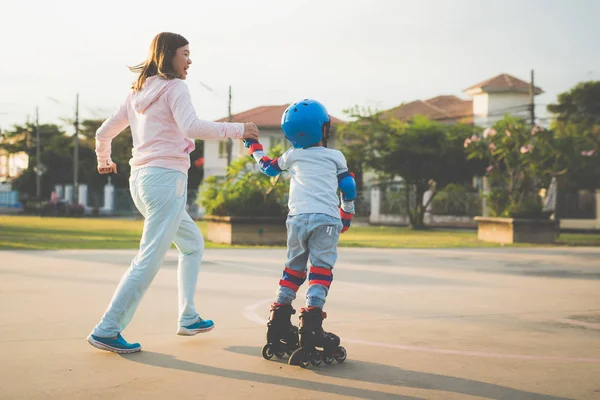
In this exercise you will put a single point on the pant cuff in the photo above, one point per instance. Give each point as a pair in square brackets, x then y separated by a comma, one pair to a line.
[284, 300]
[97, 331]
[188, 320]
[315, 302]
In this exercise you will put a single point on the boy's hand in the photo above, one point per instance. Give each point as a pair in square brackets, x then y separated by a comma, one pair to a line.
[249, 142]
[252, 145]
[346, 220]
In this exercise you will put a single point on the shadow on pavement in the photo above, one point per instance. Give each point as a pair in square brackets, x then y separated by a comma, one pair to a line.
[357, 370]
[171, 362]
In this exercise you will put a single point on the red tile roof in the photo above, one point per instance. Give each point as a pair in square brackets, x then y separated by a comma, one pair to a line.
[503, 83]
[265, 116]
[440, 108]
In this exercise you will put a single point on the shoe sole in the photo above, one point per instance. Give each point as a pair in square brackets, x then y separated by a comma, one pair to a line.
[192, 332]
[105, 347]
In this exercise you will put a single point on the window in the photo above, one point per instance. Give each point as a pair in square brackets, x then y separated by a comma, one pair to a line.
[223, 149]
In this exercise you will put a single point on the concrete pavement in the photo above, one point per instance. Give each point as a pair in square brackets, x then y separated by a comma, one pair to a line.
[417, 324]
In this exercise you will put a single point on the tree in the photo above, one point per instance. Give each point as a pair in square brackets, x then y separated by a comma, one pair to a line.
[577, 124]
[426, 154]
[579, 105]
[56, 150]
[352, 141]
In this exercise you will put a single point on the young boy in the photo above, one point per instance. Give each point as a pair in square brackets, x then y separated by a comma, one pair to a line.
[314, 223]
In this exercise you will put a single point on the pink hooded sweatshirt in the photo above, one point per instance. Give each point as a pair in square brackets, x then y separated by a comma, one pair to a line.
[163, 125]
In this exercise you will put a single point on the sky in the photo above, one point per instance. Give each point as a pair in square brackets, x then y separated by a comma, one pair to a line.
[377, 53]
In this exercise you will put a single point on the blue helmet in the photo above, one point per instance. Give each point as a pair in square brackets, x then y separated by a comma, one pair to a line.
[302, 123]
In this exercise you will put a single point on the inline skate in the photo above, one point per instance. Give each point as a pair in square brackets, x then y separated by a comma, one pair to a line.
[282, 335]
[316, 345]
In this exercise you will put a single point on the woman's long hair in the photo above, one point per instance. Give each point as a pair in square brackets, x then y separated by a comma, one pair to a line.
[160, 58]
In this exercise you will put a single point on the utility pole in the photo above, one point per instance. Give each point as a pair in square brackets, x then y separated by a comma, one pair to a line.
[28, 138]
[76, 154]
[531, 100]
[38, 175]
[229, 141]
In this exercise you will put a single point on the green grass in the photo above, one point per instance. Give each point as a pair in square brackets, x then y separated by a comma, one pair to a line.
[35, 233]
[403, 237]
[17, 232]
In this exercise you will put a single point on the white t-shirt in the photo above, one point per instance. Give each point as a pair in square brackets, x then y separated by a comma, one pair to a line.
[314, 183]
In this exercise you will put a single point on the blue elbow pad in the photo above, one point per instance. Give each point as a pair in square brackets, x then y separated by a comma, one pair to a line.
[347, 186]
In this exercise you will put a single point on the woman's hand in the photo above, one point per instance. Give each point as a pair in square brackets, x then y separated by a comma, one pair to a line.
[110, 167]
[250, 131]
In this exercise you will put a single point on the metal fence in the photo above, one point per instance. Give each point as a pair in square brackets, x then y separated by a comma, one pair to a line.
[460, 204]
[577, 205]
[393, 199]
[455, 201]
[9, 199]
[362, 204]
[95, 197]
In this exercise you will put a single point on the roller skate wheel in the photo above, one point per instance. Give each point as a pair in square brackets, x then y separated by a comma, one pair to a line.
[315, 361]
[328, 360]
[297, 357]
[267, 352]
[341, 355]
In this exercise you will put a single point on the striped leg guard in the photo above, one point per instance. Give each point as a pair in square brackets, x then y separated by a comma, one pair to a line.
[292, 279]
[320, 276]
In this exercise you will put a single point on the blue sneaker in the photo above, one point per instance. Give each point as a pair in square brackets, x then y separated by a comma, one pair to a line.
[197, 327]
[118, 345]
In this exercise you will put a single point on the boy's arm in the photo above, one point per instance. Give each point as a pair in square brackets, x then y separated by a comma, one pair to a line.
[267, 166]
[347, 186]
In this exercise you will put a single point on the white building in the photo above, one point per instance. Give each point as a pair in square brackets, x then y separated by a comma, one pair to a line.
[491, 100]
[12, 165]
[495, 97]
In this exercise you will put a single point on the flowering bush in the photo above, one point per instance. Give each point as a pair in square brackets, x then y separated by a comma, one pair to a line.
[246, 192]
[522, 160]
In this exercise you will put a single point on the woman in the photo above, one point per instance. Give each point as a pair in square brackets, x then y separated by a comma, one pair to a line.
[163, 125]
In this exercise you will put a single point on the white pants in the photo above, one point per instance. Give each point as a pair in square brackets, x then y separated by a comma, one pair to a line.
[160, 195]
